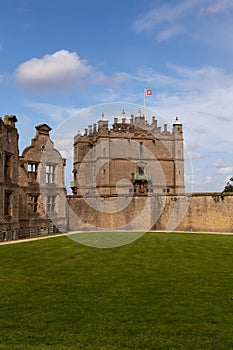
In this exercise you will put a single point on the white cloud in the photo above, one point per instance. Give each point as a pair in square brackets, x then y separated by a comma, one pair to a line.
[192, 145]
[164, 21]
[99, 78]
[219, 163]
[218, 6]
[162, 14]
[226, 171]
[194, 179]
[187, 79]
[52, 72]
[54, 112]
[60, 71]
[167, 15]
[169, 32]
[195, 155]
[149, 75]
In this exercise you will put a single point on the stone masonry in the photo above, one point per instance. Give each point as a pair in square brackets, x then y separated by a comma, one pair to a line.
[9, 189]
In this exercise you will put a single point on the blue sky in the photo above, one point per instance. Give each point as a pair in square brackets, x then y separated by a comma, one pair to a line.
[58, 58]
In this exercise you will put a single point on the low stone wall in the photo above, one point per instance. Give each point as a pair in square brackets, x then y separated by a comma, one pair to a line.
[120, 213]
[210, 212]
[201, 212]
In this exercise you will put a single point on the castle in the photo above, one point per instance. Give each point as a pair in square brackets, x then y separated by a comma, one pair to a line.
[150, 159]
[128, 176]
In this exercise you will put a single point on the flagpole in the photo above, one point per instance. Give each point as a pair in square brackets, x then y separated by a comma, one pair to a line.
[147, 92]
[144, 111]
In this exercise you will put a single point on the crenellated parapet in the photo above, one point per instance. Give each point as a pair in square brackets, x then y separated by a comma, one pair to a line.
[133, 124]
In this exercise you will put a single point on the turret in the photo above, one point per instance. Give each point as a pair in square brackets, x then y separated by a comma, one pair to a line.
[178, 127]
[178, 155]
[103, 124]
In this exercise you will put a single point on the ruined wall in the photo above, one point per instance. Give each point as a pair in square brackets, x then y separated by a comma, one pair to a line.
[9, 191]
[201, 212]
[41, 180]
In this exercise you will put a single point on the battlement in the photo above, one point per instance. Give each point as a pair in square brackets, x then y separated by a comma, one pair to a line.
[129, 127]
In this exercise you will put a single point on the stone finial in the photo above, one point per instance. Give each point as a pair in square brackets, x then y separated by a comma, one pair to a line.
[177, 121]
[103, 118]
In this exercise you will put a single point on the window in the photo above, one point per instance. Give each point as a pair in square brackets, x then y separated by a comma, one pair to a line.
[166, 190]
[7, 203]
[141, 170]
[50, 174]
[32, 203]
[8, 165]
[32, 171]
[51, 204]
[8, 136]
[141, 147]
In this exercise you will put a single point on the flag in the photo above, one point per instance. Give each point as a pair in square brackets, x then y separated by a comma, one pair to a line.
[148, 92]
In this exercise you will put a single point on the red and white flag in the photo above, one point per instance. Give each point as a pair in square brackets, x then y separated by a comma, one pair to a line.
[148, 92]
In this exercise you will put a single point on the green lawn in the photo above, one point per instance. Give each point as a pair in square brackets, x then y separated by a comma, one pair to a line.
[163, 291]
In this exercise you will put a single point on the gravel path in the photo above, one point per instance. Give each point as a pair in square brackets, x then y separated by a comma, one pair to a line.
[70, 233]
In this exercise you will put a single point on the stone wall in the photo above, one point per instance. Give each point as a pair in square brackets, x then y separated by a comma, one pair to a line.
[9, 190]
[110, 213]
[201, 212]
[207, 212]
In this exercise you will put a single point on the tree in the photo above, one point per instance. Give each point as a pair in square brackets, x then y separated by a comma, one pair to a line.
[229, 186]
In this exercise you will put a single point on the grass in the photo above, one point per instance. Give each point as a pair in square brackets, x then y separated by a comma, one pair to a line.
[163, 291]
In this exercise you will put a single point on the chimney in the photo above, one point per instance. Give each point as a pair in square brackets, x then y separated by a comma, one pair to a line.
[10, 120]
[94, 129]
[154, 122]
[89, 130]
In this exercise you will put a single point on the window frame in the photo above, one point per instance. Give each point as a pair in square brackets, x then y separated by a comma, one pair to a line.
[51, 202]
[141, 170]
[7, 203]
[7, 165]
[50, 170]
[33, 203]
[141, 148]
[32, 169]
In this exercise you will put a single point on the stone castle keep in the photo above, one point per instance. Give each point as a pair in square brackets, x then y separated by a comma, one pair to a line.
[126, 176]
[150, 159]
